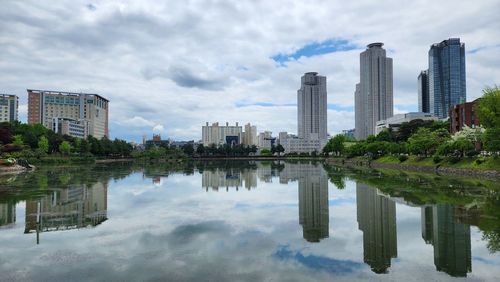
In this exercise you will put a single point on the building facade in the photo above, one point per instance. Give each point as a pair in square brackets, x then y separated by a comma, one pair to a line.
[74, 128]
[423, 92]
[9, 105]
[395, 121]
[312, 107]
[44, 106]
[374, 93]
[250, 135]
[265, 140]
[464, 115]
[220, 135]
[447, 85]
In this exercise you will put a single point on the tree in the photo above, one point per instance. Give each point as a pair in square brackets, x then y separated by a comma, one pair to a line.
[488, 108]
[65, 148]
[18, 140]
[200, 149]
[188, 149]
[491, 139]
[335, 145]
[43, 144]
[280, 149]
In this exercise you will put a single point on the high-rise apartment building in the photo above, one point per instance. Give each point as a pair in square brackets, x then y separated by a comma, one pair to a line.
[219, 135]
[46, 106]
[423, 92]
[8, 107]
[312, 107]
[374, 93]
[250, 135]
[446, 76]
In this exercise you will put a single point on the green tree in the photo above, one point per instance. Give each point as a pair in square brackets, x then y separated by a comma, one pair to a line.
[280, 149]
[491, 139]
[200, 149]
[43, 144]
[65, 148]
[488, 108]
[18, 140]
[335, 145]
[188, 149]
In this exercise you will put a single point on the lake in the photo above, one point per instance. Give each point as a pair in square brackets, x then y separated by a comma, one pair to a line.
[246, 221]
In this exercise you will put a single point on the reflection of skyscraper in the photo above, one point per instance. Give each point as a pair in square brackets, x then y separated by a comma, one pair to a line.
[451, 240]
[313, 198]
[7, 214]
[75, 207]
[377, 219]
[427, 225]
[226, 178]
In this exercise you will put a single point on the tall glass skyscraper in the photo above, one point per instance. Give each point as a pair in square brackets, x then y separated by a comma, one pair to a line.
[373, 98]
[446, 76]
[423, 92]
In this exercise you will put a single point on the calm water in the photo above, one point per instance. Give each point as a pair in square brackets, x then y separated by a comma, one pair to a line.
[240, 221]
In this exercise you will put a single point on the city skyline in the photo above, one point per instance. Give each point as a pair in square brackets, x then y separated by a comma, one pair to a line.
[123, 51]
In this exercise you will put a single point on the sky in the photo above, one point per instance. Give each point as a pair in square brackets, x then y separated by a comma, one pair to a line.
[169, 67]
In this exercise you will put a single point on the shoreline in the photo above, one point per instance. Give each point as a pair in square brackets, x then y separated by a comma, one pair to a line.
[437, 169]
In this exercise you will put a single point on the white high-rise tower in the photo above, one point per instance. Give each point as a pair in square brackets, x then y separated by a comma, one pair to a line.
[312, 107]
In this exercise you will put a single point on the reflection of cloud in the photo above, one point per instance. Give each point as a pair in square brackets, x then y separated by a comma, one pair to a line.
[318, 262]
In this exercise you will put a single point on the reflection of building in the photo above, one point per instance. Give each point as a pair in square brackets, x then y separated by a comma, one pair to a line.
[70, 208]
[313, 198]
[377, 219]
[225, 178]
[451, 240]
[7, 214]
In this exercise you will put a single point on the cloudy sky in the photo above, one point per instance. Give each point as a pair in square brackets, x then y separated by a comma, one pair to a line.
[170, 67]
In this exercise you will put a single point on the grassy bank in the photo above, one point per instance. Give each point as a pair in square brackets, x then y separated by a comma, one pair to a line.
[482, 163]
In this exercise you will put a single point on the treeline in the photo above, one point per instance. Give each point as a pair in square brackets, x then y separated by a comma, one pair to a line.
[36, 141]
[430, 138]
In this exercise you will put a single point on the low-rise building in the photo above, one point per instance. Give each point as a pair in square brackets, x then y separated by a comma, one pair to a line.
[73, 128]
[464, 115]
[9, 105]
[349, 133]
[395, 121]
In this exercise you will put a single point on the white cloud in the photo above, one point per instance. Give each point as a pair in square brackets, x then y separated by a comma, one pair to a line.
[184, 63]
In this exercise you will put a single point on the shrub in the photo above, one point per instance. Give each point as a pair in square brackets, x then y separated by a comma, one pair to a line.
[437, 159]
[402, 158]
[454, 159]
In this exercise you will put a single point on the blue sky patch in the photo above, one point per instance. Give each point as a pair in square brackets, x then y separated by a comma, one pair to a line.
[315, 49]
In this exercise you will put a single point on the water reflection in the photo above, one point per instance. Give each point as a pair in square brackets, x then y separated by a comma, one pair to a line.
[451, 240]
[7, 214]
[376, 215]
[71, 208]
[74, 200]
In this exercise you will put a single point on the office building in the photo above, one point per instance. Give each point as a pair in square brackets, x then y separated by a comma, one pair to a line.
[462, 115]
[446, 76]
[9, 105]
[250, 135]
[395, 121]
[374, 93]
[376, 216]
[423, 92]
[350, 134]
[220, 135]
[45, 106]
[265, 140]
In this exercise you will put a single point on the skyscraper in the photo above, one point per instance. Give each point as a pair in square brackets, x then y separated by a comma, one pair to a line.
[446, 76]
[423, 92]
[312, 107]
[374, 95]
[47, 106]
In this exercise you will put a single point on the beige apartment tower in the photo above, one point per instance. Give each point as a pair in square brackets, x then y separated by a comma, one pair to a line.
[46, 106]
[8, 107]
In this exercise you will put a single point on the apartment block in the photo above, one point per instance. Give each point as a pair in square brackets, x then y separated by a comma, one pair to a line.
[220, 135]
[8, 107]
[45, 106]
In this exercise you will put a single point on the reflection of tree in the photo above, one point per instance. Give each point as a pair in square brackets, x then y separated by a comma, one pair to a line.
[336, 176]
[493, 238]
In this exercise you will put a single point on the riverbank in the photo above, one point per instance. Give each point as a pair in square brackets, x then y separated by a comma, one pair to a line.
[489, 167]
